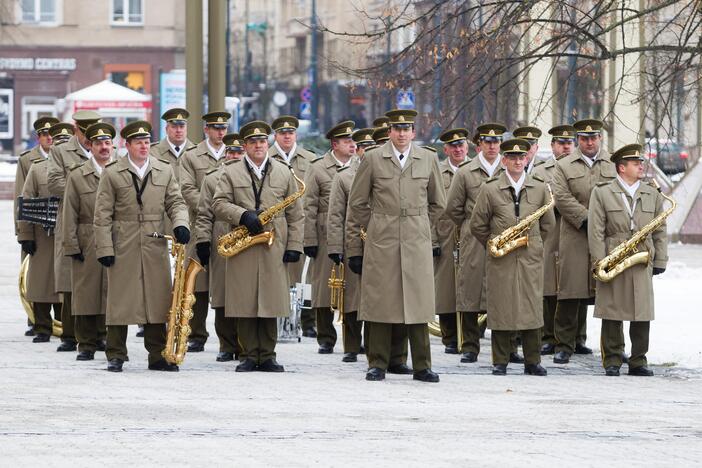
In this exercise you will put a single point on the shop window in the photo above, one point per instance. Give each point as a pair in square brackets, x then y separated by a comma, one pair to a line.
[131, 79]
[40, 11]
[127, 13]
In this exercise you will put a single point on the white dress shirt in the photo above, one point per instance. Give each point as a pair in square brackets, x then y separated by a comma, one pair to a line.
[517, 184]
[99, 168]
[405, 155]
[215, 153]
[180, 149]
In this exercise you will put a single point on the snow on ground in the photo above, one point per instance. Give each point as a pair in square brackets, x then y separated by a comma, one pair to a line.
[55, 411]
[8, 171]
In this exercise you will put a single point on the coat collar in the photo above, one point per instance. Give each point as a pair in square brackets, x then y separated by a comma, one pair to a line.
[123, 165]
[504, 183]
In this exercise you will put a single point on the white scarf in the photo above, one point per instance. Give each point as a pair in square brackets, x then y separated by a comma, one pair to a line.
[489, 168]
[258, 170]
[286, 156]
[630, 207]
[141, 171]
[518, 184]
[215, 153]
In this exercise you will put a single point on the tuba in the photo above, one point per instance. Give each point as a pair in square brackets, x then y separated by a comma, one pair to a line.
[626, 254]
[56, 328]
[516, 236]
[337, 285]
[239, 239]
[182, 300]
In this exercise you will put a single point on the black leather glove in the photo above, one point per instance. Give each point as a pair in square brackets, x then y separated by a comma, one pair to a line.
[584, 226]
[436, 251]
[356, 264]
[291, 256]
[29, 247]
[79, 256]
[250, 220]
[203, 252]
[336, 258]
[311, 251]
[181, 234]
[107, 261]
[658, 270]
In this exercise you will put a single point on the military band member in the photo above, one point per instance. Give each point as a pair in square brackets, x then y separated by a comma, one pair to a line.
[195, 163]
[456, 149]
[617, 210]
[515, 281]
[381, 135]
[88, 277]
[61, 159]
[257, 291]
[574, 178]
[562, 144]
[39, 245]
[316, 203]
[133, 194]
[207, 232]
[532, 135]
[398, 196]
[175, 143]
[286, 149]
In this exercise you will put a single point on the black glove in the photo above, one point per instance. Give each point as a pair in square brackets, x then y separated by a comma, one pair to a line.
[291, 256]
[336, 258]
[250, 220]
[107, 261]
[29, 247]
[658, 270]
[311, 251]
[584, 226]
[181, 234]
[79, 256]
[203, 252]
[436, 251]
[356, 264]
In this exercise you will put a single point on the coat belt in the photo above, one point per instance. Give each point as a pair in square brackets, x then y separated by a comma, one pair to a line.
[141, 217]
[402, 212]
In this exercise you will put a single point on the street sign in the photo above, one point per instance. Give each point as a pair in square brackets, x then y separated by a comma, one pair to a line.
[306, 94]
[405, 99]
[305, 110]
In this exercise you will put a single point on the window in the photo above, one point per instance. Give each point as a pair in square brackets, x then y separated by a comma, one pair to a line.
[39, 11]
[127, 13]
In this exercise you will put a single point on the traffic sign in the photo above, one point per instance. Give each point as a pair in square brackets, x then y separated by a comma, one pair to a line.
[305, 110]
[405, 99]
[306, 94]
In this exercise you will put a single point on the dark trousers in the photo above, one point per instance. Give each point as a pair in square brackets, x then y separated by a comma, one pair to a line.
[326, 333]
[352, 332]
[503, 345]
[89, 329]
[198, 324]
[257, 337]
[67, 319]
[612, 343]
[154, 341]
[570, 315]
[547, 335]
[43, 323]
[449, 329]
[470, 331]
[381, 337]
[307, 318]
[225, 327]
[581, 337]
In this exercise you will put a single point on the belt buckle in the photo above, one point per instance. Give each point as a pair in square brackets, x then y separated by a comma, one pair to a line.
[140, 217]
[403, 212]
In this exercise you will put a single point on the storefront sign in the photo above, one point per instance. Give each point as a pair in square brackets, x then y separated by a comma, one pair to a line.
[39, 63]
[172, 92]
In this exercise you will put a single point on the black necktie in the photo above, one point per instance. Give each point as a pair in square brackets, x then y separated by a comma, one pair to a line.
[401, 157]
[177, 148]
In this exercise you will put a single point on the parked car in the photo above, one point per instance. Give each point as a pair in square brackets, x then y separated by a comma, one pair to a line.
[668, 155]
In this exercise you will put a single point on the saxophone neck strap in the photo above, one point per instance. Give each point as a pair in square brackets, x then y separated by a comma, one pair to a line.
[257, 190]
[139, 190]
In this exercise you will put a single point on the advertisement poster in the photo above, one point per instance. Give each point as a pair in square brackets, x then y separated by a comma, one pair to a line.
[6, 114]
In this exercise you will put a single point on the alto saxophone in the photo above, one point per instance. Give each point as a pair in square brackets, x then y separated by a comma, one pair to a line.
[516, 236]
[239, 239]
[182, 300]
[626, 254]
[337, 285]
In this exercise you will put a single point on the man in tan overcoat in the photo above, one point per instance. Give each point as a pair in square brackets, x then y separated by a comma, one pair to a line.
[573, 180]
[398, 195]
[134, 194]
[197, 162]
[285, 148]
[175, 143]
[207, 231]
[515, 280]
[257, 291]
[316, 202]
[61, 159]
[617, 210]
[88, 277]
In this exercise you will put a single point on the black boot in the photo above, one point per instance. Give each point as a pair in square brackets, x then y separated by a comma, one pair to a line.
[534, 369]
[114, 365]
[162, 365]
[85, 356]
[41, 338]
[375, 374]
[67, 346]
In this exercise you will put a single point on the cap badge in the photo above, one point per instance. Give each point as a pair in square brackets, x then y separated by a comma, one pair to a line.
[516, 148]
[491, 133]
[588, 129]
[401, 118]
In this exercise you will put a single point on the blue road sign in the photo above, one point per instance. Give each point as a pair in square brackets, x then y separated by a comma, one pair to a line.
[405, 99]
[305, 110]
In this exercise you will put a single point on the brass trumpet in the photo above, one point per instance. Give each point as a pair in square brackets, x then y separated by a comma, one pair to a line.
[337, 285]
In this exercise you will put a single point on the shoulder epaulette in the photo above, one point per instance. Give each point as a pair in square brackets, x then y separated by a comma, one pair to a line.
[59, 143]
[602, 184]
[538, 177]
[39, 161]
[164, 161]
[110, 163]
[316, 159]
[492, 179]
[464, 163]
[25, 152]
[75, 166]
[231, 161]
[342, 169]
[214, 169]
[154, 143]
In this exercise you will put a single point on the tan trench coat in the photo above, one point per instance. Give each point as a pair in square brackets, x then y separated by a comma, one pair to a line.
[193, 166]
[61, 159]
[209, 230]
[257, 280]
[470, 283]
[316, 204]
[515, 281]
[163, 151]
[544, 169]
[629, 296]
[89, 277]
[336, 227]
[139, 282]
[399, 206]
[572, 186]
[444, 265]
[300, 162]
[41, 286]
[24, 162]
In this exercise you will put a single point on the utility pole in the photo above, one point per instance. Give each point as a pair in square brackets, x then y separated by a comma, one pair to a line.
[216, 54]
[228, 80]
[193, 68]
[572, 66]
[314, 105]
[247, 51]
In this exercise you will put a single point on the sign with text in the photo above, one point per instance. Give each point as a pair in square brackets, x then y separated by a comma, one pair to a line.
[38, 63]
[172, 93]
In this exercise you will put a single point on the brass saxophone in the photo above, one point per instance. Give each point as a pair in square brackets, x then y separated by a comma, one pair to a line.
[182, 300]
[337, 286]
[626, 254]
[516, 236]
[239, 239]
